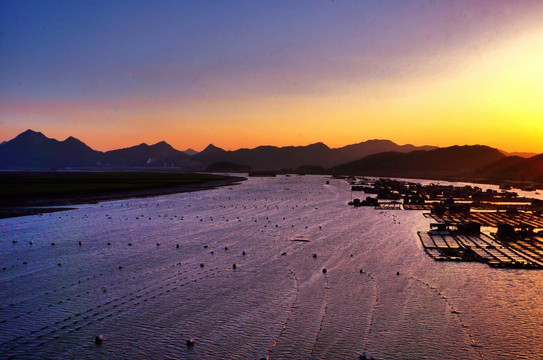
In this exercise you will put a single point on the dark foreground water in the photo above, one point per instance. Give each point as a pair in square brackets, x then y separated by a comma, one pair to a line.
[276, 303]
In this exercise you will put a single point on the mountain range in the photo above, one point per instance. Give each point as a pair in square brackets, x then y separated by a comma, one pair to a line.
[33, 150]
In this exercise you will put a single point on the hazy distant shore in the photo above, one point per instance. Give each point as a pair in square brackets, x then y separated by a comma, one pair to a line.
[30, 193]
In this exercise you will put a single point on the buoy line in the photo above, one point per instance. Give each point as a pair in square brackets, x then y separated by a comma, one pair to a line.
[323, 316]
[455, 312]
[79, 282]
[109, 306]
[104, 308]
[373, 312]
[270, 349]
[75, 283]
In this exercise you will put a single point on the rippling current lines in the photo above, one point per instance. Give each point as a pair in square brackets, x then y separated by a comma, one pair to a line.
[273, 268]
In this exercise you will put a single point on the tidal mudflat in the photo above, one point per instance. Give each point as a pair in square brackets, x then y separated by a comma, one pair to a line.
[150, 273]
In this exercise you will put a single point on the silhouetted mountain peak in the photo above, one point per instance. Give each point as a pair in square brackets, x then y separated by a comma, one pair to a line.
[33, 150]
[74, 143]
[163, 145]
[318, 146]
[211, 149]
[380, 141]
[31, 132]
[72, 140]
[30, 136]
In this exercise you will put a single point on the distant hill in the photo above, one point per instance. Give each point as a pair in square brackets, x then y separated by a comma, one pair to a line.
[190, 152]
[33, 150]
[160, 154]
[520, 154]
[224, 166]
[450, 161]
[357, 151]
[515, 168]
[292, 157]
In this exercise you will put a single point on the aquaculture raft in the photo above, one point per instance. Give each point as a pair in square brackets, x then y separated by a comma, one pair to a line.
[492, 218]
[451, 246]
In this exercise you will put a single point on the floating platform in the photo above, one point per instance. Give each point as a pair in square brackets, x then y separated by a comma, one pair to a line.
[492, 218]
[389, 206]
[420, 207]
[445, 246]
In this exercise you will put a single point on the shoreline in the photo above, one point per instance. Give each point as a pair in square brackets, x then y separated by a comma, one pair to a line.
[44, 204]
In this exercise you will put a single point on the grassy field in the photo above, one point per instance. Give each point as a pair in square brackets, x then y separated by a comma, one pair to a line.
[48, 188]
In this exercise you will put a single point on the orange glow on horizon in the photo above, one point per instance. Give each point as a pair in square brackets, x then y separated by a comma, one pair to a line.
[492, 98]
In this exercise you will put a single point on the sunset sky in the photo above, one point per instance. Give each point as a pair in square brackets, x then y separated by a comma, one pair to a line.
[248, 73]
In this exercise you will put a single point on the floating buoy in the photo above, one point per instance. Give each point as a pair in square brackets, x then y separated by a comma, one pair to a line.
[190, 342]
[324, 271]
[397, 273]
[201, 265]
[243, 253]
[314, 256]
[99, 339]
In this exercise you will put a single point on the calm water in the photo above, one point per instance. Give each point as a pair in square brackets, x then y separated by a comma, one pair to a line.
[281, 306]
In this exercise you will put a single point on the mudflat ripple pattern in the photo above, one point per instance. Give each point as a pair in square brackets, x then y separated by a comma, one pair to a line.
[150, 273]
